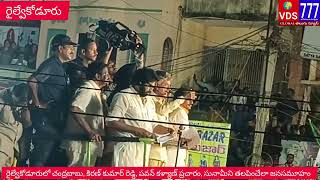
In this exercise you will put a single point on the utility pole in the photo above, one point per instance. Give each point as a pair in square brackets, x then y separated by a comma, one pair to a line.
[262, 114]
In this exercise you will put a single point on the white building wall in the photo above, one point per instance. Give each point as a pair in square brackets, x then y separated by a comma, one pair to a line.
[158, 19]
[144, 16]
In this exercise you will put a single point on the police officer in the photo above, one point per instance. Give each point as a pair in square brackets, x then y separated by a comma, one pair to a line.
[48, 90]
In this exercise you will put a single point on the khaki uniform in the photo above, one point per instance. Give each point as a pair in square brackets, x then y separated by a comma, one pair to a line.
[10, 133]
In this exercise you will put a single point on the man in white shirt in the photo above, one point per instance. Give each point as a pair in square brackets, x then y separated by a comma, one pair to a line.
[128, 104]
[158, 155]
[180, 115]
[87, 99]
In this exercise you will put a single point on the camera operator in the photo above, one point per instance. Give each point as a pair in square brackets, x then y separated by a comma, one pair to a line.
[48, 91]
[123, 77]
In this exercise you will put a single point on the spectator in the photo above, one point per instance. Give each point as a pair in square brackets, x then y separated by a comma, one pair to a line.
[78, 69]
[12, 117]
[133, 102]
[286, 109]
[290, 160]
[48, 92]
[31, 55]
[87, 100]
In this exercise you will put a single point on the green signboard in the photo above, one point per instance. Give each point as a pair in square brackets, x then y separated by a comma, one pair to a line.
[213, 148]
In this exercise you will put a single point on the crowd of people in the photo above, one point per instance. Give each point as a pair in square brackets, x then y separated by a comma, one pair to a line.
[66, 116]
[237, 106]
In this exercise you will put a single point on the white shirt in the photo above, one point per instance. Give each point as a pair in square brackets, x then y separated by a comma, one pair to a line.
[163, 108]
[238, 100]
[88, 99]
[180, 116]
[128, 105]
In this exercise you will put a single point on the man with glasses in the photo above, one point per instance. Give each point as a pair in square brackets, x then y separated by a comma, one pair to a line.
[48, 91]
[158, 155]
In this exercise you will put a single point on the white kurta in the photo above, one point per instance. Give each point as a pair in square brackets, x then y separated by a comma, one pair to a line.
[180, 115]
[163, 108]
[131, 106]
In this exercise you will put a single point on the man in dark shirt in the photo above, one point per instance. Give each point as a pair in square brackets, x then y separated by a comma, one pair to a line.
[48, 91]
[77, 69]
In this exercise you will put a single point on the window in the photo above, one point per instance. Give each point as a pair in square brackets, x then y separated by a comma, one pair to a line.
[226, 65]
[167, 52]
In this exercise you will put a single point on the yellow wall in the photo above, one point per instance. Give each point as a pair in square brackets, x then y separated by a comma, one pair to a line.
[189, 44]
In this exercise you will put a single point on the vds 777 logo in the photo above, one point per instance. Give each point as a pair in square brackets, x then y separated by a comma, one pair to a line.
[298, 12]
[288, 12]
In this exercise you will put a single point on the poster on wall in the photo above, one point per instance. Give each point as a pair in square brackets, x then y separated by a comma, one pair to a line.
[50, 35]
[213, 148]
[19, 45]
[305, 153]
[19, 42]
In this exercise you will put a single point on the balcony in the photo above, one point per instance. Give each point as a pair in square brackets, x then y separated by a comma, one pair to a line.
[243, 10]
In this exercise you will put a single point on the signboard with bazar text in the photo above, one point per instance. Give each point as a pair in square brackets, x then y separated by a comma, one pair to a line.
[213, 148]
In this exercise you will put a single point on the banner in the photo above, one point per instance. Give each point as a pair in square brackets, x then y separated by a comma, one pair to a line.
[158, 173]
[34, 10]
[304, 152]
[213, 149]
